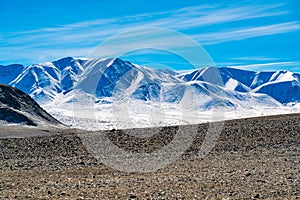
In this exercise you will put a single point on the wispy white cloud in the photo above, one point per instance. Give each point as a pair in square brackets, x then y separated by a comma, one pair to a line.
[292, 65]
[79, 38]
[224, 15]
[244, 33]
[254, 58]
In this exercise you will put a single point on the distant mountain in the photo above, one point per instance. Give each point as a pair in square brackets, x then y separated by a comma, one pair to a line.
[43, 81]
[284, 86]
[113, 77]
[18, 107]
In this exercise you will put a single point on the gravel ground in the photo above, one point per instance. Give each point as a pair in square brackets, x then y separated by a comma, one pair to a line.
[256, 158]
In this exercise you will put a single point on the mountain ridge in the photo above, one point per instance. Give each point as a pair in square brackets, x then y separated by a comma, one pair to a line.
[46, 81]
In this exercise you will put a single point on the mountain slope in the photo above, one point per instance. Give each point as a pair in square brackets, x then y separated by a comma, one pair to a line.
[18, 107]
[112, 76]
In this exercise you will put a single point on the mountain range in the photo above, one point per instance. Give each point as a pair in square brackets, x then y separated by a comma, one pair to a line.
[117, 79]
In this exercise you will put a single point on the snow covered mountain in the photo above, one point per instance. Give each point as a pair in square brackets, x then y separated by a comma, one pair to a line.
[113, 77]
[109, 77]
[43, 81]
[284, 86]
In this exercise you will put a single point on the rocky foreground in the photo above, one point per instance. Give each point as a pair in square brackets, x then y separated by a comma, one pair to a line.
[255, 158]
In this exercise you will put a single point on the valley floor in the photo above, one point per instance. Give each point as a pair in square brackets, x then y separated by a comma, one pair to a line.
[254, 158]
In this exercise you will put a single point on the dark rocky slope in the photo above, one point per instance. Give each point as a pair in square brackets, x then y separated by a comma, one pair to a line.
[18, 107]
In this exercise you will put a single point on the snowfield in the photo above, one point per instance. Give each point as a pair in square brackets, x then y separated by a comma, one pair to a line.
[137, 114]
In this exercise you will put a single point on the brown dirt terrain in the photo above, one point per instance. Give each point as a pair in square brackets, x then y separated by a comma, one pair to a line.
[255, 158]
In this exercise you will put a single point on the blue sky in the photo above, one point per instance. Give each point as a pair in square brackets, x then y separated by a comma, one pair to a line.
[254, 35]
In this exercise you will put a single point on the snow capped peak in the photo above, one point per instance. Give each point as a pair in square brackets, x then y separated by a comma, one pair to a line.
[281, 76]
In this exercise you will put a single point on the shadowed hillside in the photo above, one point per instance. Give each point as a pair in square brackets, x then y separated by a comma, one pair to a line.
[18, 107]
